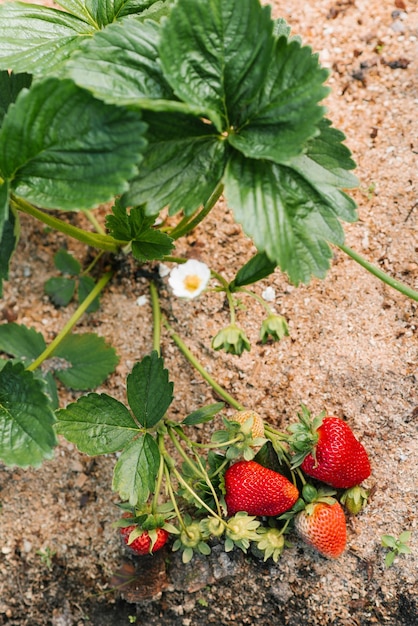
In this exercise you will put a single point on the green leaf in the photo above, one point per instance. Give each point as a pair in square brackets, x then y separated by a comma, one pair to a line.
[90, 360]
[204, 414]
[120, 65]
[214, 54]
[37, 39]
[96, 424]
[289, 213]
[107, 11]
[10, 85]
[149, 391]
[152, 245]
[286, 113]
[9, 235]
[257, 268]
[389, 558]
[57, 133]
[66, 263]
[183, 164]
[147, 243]
[86, 284]
[136, 469]
[4, 207]
[26, 419]
[21, 342]
[60, 290]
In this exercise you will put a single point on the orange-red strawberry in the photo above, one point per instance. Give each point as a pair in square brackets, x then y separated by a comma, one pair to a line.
[326, 449]
[253, 488]
[323, 527]
[146, 542]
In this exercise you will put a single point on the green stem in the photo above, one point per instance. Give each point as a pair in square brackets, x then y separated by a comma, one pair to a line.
[94, 222]
[156, 318]
[173, 498]
[182, 453]
[210, 485]
[376, 271]
[186, 225]
[256, 297]
[103, 242]
[93, 263]
[196, 497]
[71, 322]
[154, 504]
[207, 377]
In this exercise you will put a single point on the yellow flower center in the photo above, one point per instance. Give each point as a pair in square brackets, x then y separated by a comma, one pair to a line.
[192, 282]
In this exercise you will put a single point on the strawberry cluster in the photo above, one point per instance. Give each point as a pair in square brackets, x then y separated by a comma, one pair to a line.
[301, 479]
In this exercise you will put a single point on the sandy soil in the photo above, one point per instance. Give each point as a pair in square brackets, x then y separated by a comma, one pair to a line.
[352, 350]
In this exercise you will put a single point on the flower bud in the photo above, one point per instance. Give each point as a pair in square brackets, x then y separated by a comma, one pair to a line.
[231, 339]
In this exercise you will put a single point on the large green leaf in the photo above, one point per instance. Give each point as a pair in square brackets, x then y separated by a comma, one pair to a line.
[288, 212]
[4, 206]
[96, 424]
[9, 235]
[286, 113]
[89, 358]
[149, 391]
[215, 54]
[102, 12]
[136, 469]
[38, 39]
[183, 164]
[10, 85]
[21, 342]
[26, 419]
[57, 133]
[120, 64]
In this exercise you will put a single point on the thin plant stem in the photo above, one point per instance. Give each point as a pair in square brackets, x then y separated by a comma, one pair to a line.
[182, 453]
[96, 240]
[185, 227]
[94, 222]
[256, 297]
[210, 485]
[156, 318]
[93, 263]
[173, 498]
[196, 497]
[376, 271]
[197, 365]
[160, 475]
[81, 309]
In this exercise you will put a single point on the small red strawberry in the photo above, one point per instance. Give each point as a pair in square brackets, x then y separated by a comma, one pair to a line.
[323, 527]
[326, 449]
[146, 542]
[253, 488]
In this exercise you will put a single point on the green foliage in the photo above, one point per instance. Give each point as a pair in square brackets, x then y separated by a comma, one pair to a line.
[81, 361]
[149, 391]
[61, 289]
[396, 546]
[147, 243]
[72, 136]
[27, 436]
[99, 424]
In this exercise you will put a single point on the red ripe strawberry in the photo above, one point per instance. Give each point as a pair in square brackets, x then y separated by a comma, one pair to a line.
[253, 488]
[338, 459]
[144, 543]
[323, 527]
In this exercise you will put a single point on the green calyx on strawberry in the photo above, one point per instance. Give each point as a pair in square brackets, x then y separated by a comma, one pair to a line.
[355, 499]
[257, 490]
[144, 532]
[321, 523]
[326, 449]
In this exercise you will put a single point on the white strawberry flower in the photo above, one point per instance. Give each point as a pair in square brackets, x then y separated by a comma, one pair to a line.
[189, 279]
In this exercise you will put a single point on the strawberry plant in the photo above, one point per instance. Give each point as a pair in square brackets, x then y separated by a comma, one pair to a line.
[159, 108]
